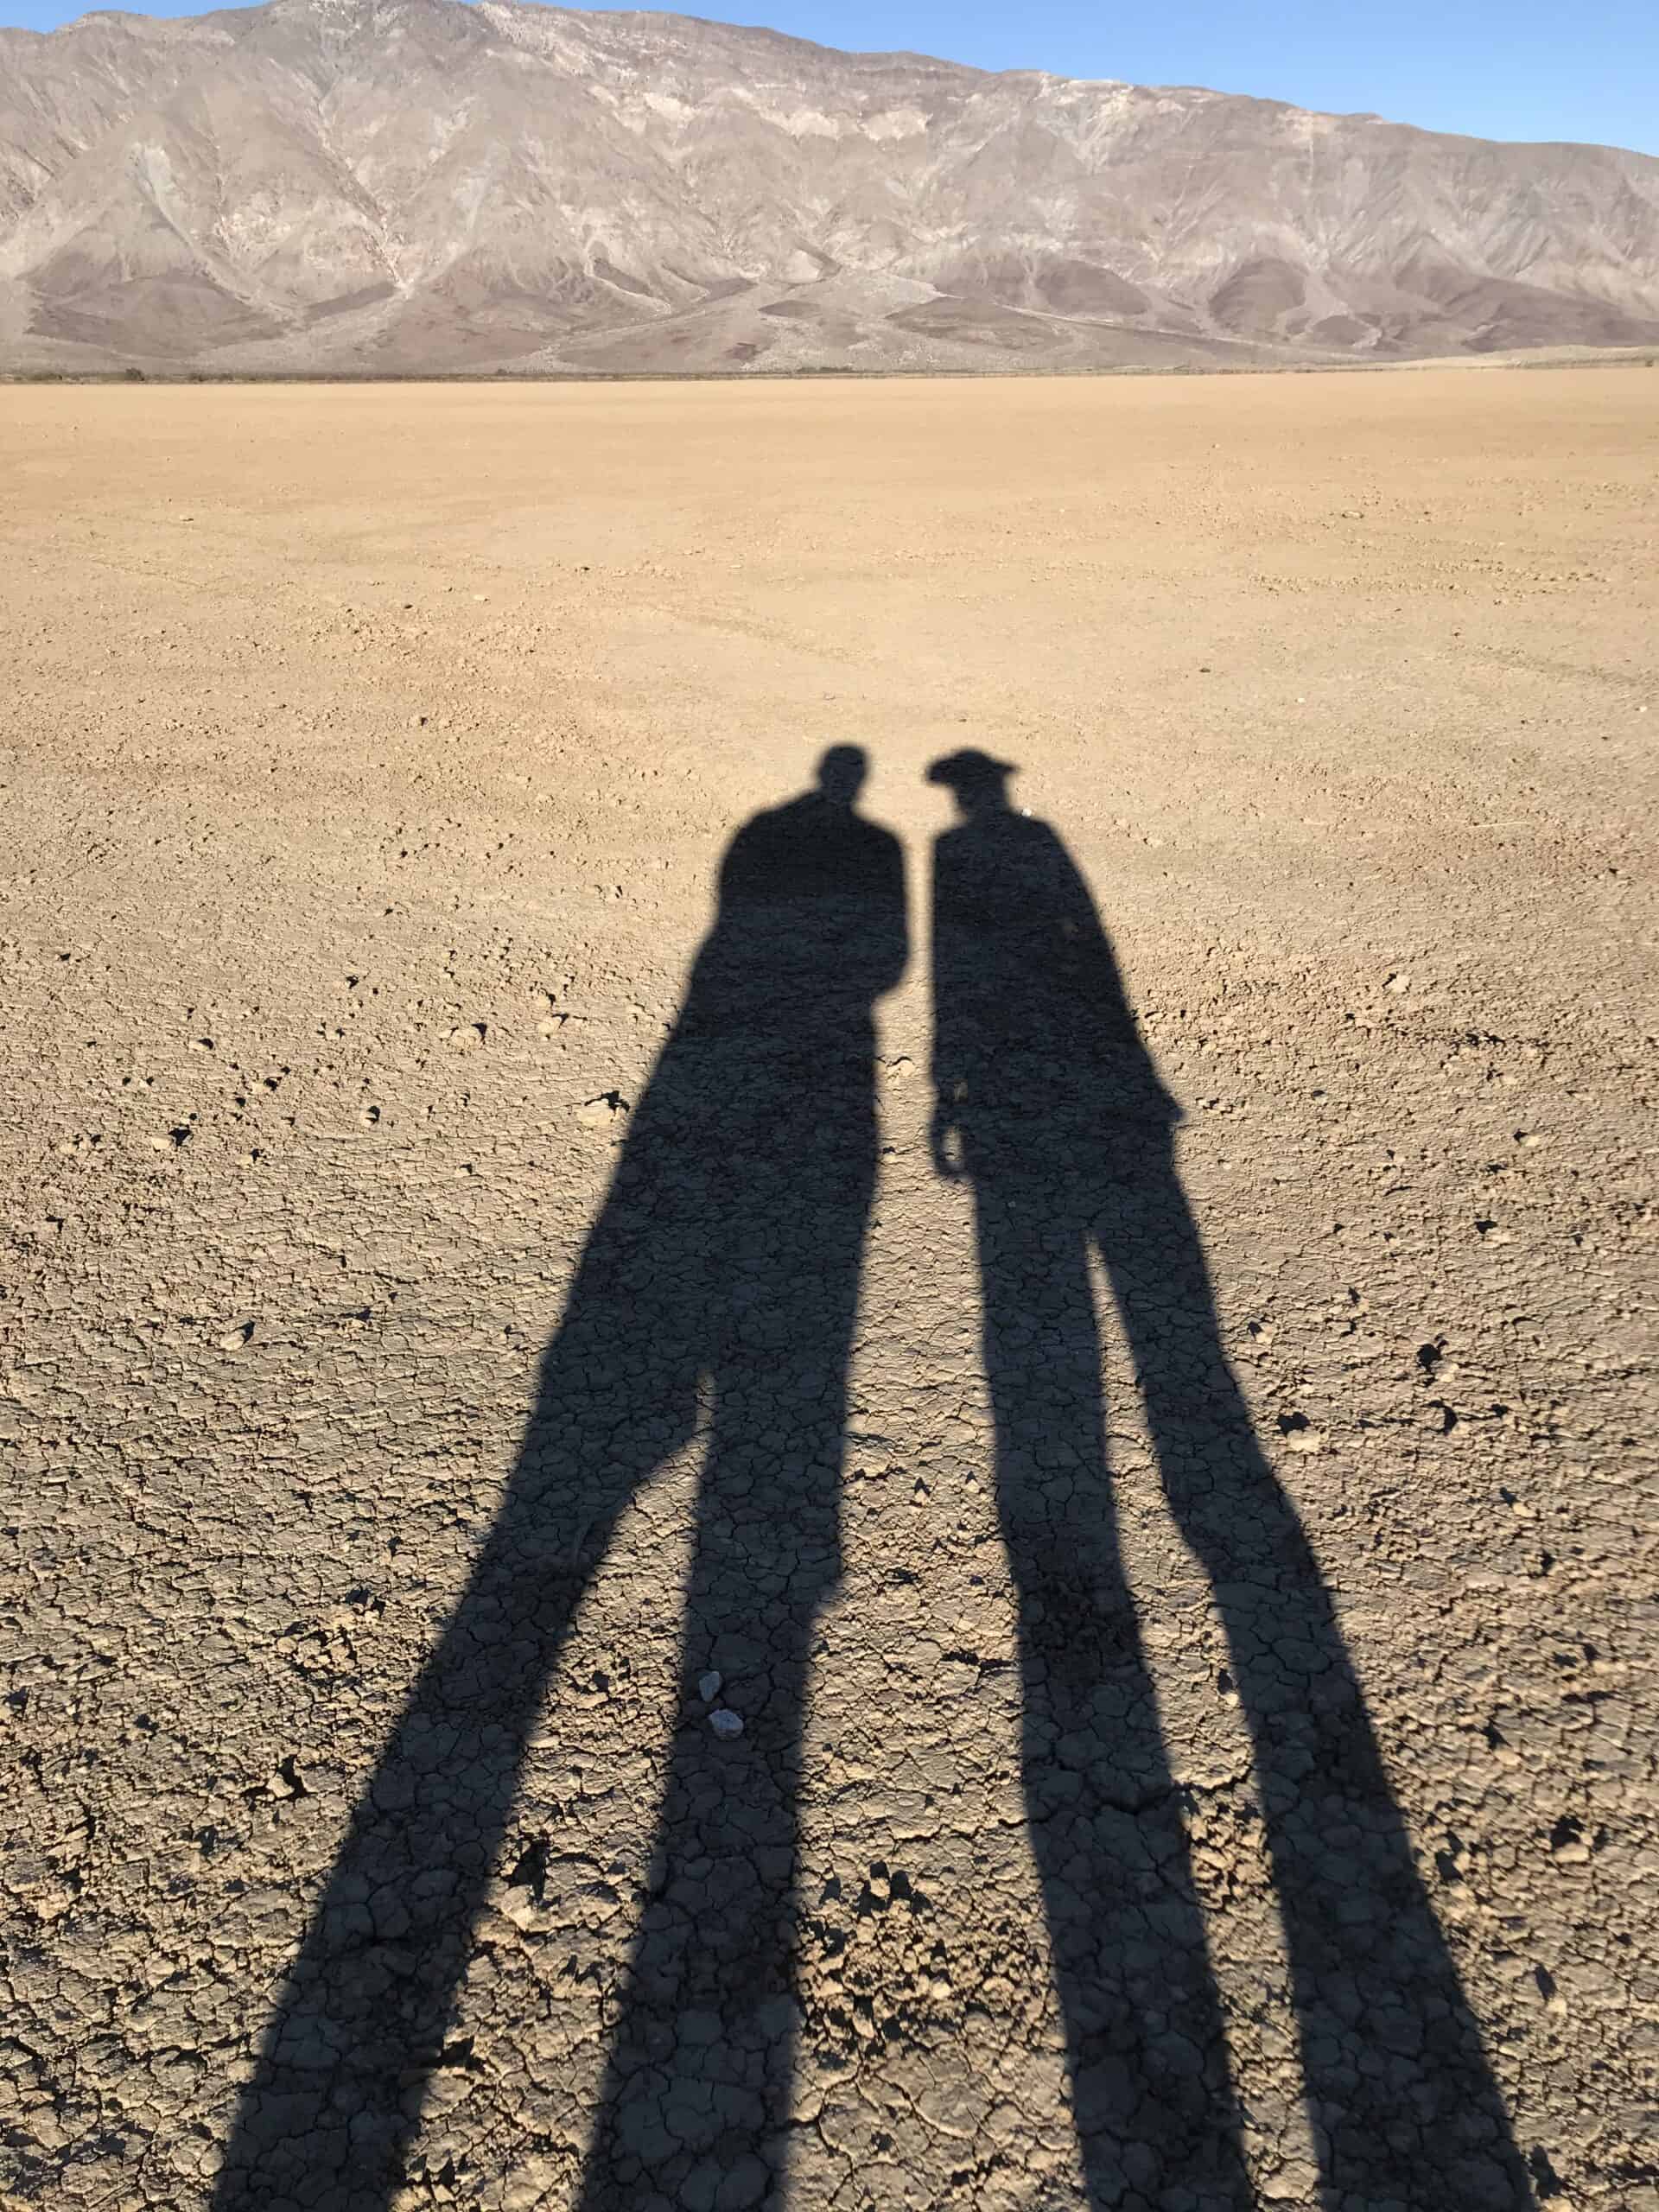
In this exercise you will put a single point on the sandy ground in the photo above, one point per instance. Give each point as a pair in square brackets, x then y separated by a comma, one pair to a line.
[1197, 1744]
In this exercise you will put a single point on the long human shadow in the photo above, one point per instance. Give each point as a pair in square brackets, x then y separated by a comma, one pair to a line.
[1048, 1103]
[722, 1271]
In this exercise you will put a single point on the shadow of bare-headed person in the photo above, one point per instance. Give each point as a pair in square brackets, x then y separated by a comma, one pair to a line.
[1047, 1103]
[717, 1289]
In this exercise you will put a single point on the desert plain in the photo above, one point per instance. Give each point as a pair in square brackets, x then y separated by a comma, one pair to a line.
[1160, 1784]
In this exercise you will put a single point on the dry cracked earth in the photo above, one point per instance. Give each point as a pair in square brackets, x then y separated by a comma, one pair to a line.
[828, 1296]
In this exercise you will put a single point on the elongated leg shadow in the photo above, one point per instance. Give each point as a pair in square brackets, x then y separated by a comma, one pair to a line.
[698, 2090]
[1398, 2084]
[1151, 2096]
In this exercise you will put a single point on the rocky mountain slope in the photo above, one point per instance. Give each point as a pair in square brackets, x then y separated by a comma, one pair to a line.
[423, 184]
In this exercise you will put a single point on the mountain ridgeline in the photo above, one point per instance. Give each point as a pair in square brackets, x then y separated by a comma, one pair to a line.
[404, 186]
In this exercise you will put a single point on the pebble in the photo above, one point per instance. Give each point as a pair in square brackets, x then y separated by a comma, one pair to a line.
[725, 1723]
[600, 1113]
[709, 1687]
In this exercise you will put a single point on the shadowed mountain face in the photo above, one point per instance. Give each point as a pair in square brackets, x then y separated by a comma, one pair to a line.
[422, 184]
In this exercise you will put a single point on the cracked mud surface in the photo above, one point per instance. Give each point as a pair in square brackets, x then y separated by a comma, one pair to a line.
[1118, 1327]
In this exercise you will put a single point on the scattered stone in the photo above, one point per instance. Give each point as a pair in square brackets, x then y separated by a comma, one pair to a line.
[1298, 1433]
[603, 1112]
[726, 1723]
[1567, 1843]
[709, 1687]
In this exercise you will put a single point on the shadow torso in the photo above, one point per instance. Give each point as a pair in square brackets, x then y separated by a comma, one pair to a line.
[1031, 1026]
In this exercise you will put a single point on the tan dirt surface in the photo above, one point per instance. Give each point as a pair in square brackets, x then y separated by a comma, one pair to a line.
[1197, 1741]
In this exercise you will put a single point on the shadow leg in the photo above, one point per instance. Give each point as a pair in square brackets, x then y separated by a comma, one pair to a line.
[360, 2026]
[1404, 2106]
[698, 2089]
[1147, 2060]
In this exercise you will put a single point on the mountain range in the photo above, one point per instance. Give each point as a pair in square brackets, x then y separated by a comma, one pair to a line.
[405, 186]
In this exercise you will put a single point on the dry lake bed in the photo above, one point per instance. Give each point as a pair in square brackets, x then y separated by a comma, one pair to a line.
[734, 1480]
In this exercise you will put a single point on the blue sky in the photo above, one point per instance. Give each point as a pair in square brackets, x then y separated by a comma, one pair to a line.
[1497, 68]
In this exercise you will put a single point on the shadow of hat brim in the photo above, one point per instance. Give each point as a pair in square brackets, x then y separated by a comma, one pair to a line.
[968, 767]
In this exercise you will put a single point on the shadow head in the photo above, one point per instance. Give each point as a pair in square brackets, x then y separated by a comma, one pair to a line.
[841, 772]
[979, 781]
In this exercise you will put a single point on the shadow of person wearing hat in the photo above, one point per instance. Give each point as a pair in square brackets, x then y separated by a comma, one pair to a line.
[1048, 1103]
